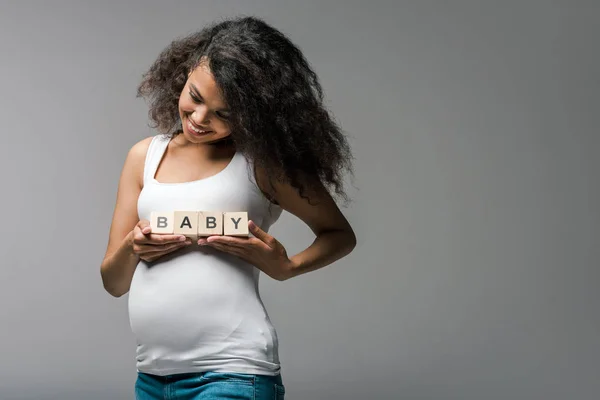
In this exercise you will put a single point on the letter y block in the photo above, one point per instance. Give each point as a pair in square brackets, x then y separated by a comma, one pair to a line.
[235, 223]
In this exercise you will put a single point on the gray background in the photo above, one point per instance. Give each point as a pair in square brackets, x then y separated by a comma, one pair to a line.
[476, 200]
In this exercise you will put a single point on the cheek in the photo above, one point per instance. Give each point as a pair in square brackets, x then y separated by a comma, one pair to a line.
[222, 126]
[183, 104]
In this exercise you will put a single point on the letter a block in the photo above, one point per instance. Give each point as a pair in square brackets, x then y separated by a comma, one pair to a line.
[186, 223]
[210, 223]
[162, 222]
[235, 223]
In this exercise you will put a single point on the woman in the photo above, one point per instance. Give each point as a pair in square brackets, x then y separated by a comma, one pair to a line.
[243, 128]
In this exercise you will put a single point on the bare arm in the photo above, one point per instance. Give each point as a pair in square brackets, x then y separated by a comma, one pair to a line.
[335, 237]
[119, 262]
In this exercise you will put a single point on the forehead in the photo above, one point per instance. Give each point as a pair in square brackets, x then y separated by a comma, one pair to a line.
[202, 80]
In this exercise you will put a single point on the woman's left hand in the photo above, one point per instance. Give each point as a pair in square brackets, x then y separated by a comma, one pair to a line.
[262, 251]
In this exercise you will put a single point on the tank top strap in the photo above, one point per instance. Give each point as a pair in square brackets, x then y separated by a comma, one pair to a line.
[155, 153]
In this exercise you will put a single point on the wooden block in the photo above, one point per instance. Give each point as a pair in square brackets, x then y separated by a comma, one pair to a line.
[186, 223]
[210, 223]
[162, 222]
[235, 223]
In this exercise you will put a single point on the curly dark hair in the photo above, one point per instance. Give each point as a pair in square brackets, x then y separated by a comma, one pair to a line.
[278, 119]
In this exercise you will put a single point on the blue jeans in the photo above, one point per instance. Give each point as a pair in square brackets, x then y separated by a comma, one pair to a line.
[209, 386]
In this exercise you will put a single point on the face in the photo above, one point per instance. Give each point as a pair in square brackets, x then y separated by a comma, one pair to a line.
[203, 112]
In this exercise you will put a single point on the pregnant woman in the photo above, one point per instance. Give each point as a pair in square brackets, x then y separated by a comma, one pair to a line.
[242, 127]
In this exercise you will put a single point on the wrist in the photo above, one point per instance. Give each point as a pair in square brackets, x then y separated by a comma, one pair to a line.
[128, 243]
[291, 269]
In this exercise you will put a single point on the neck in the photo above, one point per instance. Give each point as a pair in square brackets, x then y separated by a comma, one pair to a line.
[222, 144]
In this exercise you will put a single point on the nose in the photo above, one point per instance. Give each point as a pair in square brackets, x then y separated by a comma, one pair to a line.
[200, 115]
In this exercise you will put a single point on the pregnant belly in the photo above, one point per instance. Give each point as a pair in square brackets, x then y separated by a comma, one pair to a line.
[190, 297]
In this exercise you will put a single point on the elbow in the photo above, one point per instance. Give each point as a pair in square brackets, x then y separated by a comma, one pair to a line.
[110, 287]
[351, 245]
[350, 241]
[347, 243]
[346, 240]
[114, 292]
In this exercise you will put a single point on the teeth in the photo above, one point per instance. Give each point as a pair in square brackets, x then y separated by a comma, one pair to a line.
[192, 127]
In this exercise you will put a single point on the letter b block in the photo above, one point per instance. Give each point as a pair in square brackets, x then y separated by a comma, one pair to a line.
[210, 223]
[162, 222]
[235, 223]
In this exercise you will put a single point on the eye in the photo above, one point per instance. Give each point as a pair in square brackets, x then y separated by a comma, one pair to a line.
[194, 98]
[222, 115]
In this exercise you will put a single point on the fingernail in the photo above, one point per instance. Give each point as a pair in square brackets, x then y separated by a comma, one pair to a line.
[182, 238]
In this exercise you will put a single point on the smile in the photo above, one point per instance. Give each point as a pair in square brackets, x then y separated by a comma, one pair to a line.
[193, 128]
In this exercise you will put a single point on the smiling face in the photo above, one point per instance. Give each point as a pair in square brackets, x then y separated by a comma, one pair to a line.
[203, 112]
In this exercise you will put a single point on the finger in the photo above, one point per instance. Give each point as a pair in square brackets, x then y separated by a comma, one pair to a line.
[245, 244]
[259, 233]
[139, 237]
[228, 249]
[153, 255]
[168, 249]
[144, 226]
[217, 245]
[148, 248]
[156, 239]
[239, 254]
[230, 240]
[164, 238]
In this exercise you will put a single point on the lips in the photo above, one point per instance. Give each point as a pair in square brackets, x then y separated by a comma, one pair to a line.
[198, 127]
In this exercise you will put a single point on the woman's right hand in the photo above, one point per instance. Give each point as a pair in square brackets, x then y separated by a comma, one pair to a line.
[151, 246]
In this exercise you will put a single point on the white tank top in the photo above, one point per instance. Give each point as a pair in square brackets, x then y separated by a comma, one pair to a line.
[199, 309]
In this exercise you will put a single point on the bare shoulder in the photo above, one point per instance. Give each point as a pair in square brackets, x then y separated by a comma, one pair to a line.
[139, 150]
[136, 157]
[141, 147]
[262, 181]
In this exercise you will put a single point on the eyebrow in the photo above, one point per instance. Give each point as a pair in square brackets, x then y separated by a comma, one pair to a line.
[197, 93]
